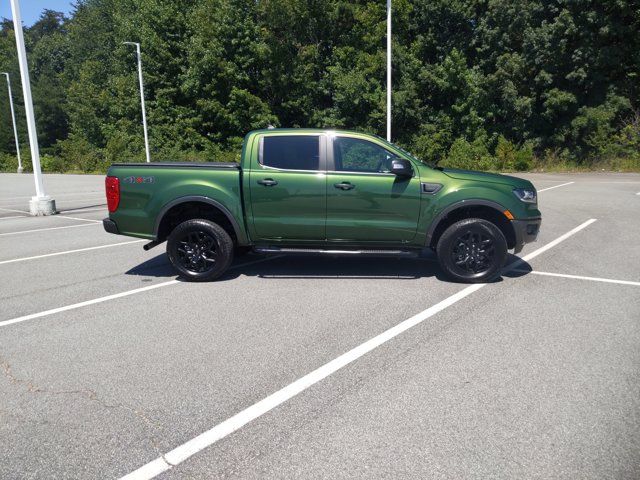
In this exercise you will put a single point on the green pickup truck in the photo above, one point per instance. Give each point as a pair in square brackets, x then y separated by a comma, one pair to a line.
[311, 191]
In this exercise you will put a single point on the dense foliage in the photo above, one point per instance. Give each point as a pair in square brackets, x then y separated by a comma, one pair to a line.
[490, 84]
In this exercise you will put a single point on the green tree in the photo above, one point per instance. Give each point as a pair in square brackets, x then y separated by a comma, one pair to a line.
[477, 83]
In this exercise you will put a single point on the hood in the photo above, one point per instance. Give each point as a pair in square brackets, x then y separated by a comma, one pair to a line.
[486, 177]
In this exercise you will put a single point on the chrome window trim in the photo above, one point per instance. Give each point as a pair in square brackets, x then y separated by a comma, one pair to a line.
[354, 172]
[284, 170]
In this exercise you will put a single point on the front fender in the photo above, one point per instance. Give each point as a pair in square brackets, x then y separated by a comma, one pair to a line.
[496, 196]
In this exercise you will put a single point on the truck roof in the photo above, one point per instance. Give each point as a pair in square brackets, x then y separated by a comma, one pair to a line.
[309, 130]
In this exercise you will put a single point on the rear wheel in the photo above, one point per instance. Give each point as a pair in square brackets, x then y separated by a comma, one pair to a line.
[200, 250]
[472, 251]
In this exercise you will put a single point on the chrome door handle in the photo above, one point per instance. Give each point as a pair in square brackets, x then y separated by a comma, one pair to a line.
[345, 186]
[268, 182]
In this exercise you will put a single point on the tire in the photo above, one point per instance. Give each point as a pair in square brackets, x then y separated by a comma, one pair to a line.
[472, 251]
[200, 250]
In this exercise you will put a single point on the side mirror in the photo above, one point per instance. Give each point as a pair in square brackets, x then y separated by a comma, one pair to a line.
[401, 168]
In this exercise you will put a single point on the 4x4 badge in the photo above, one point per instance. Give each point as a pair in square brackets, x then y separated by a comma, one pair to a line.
[139, 180]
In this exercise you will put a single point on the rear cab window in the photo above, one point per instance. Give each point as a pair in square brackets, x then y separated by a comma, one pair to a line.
[290, 152]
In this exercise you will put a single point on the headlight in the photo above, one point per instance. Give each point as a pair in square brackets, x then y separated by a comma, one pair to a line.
[526, 195]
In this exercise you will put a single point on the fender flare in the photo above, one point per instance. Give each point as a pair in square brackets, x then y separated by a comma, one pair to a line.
[202, 199]
[473, 202]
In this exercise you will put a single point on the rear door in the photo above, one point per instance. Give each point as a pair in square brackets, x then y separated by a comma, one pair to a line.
[287, 187]
[365, 202]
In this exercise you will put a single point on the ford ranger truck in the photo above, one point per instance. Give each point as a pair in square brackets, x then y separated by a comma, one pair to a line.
[322, 192]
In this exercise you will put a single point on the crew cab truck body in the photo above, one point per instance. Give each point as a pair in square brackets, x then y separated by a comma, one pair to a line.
[318, 191]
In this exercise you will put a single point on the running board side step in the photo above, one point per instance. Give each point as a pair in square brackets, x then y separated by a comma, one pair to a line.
[321, 251]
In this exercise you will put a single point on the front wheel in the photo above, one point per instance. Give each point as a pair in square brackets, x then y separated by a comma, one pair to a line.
[472, 251]
[200, 250]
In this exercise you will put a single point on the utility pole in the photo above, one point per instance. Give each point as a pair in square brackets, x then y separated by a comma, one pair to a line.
[144, 110]
[41, 204]
[388, 70]
[13, 119]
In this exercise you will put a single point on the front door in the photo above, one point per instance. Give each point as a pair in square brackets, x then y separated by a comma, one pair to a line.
[288, 188]
[365, 203]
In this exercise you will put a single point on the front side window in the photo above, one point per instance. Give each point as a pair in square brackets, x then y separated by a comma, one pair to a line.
[294, 152]
[356, 155]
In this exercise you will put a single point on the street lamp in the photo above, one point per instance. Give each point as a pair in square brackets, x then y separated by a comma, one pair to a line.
[13, 119]
[144, 111]
[389, 70]
[41, 204]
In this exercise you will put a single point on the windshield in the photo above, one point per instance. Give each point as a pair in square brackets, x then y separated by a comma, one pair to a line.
[397, 147]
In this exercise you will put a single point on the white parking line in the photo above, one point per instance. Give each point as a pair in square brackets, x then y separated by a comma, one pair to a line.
[57, 216]
[87, 303]
[580, 277]
[76, 218]
[83, 210]
[556, 186]
[76, 194]
[13, 216]
[47, 229]
[12, 210]
[548, 246]
[208, 438]
[15, 260]
[74, 306]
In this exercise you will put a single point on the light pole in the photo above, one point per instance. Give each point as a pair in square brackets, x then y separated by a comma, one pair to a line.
[144, 110]
[41, 204]
[389, 70]
[13, 119]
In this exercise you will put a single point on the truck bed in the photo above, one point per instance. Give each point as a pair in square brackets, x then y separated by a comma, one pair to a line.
[180, 165]
[148, 190]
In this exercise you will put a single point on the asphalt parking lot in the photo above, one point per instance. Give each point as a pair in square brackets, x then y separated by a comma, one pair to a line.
[316, 367]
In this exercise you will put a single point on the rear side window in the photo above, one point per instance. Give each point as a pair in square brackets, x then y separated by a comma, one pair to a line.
[291, 152]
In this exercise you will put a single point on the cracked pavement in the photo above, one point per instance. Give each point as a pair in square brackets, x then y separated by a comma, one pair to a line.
[72, 407]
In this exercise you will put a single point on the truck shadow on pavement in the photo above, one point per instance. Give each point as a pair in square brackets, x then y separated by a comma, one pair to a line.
[329, 267]
[520, 269]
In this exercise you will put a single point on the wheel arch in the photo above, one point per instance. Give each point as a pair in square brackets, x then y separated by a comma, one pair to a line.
[190, 207]
[473, 208]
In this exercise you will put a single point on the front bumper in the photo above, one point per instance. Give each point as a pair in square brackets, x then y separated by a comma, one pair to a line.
[110, 226]
[526, 232]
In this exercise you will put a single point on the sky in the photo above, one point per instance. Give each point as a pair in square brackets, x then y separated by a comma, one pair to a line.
[31, 9]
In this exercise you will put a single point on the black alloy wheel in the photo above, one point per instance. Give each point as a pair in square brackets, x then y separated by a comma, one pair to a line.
[472, 251]
[200, 250]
